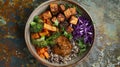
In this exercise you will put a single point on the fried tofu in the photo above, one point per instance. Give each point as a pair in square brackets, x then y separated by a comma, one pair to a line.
[47, 15]
[73, 20]
[54, 19]
[62, 7]
[67, 13]
[73, 11]
[54, 8]
[69, 29]
[50, 27]
[61, 17]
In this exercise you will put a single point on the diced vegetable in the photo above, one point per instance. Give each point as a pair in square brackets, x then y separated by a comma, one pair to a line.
[35, 36]
[43, 53]
[73, 20]
[49, 27]
[44, 33]
[46, 55]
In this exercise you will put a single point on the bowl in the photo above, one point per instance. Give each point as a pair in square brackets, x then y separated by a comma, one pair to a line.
[41, 8]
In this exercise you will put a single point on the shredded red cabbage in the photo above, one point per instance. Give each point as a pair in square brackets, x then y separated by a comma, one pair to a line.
[84, 29]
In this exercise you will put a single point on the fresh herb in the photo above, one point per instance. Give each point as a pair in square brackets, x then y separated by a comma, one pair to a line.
[82, 46]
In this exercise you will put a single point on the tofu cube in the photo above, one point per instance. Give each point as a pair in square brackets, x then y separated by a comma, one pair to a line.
[67, 13]
[47, 15]
[62, 7]
[73, 20]
[54, 19]
[69, 29]
[54, 8]
[73, 11]
[60, 17]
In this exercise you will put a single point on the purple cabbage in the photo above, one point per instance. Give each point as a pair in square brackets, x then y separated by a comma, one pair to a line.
[84, 29]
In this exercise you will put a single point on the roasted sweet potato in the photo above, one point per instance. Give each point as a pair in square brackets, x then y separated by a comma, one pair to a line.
[49, 27]
[35, 35]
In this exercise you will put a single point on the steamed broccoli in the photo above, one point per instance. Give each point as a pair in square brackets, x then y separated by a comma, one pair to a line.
[36, 25]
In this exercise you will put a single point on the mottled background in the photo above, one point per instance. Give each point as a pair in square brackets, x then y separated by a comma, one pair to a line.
[105, 15]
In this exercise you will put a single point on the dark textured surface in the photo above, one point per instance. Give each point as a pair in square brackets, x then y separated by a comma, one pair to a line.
[106, 17]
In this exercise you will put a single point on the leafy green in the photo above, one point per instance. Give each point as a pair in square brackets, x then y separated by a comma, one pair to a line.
[82, 46]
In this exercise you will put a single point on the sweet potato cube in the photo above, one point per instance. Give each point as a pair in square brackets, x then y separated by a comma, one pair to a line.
[49, 27]
[74, 20]
[35, 35]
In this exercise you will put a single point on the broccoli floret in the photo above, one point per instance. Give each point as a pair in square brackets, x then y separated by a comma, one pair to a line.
[36, 25]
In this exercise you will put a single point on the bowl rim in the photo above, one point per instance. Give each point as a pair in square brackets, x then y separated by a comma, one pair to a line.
[29, 45]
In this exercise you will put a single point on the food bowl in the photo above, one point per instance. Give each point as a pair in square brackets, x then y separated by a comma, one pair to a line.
[41, 8]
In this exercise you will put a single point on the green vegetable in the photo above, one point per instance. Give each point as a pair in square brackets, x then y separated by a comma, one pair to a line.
[43, 42]
[36, 25]
[40, 42]
[56, 23]
[82, 46]
[37, 19]
[68, 35]
[51, 39]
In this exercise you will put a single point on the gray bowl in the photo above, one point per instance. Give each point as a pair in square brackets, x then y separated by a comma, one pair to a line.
[41, 8]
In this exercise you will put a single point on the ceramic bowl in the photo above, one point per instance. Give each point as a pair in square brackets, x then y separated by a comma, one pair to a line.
[41, 8]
